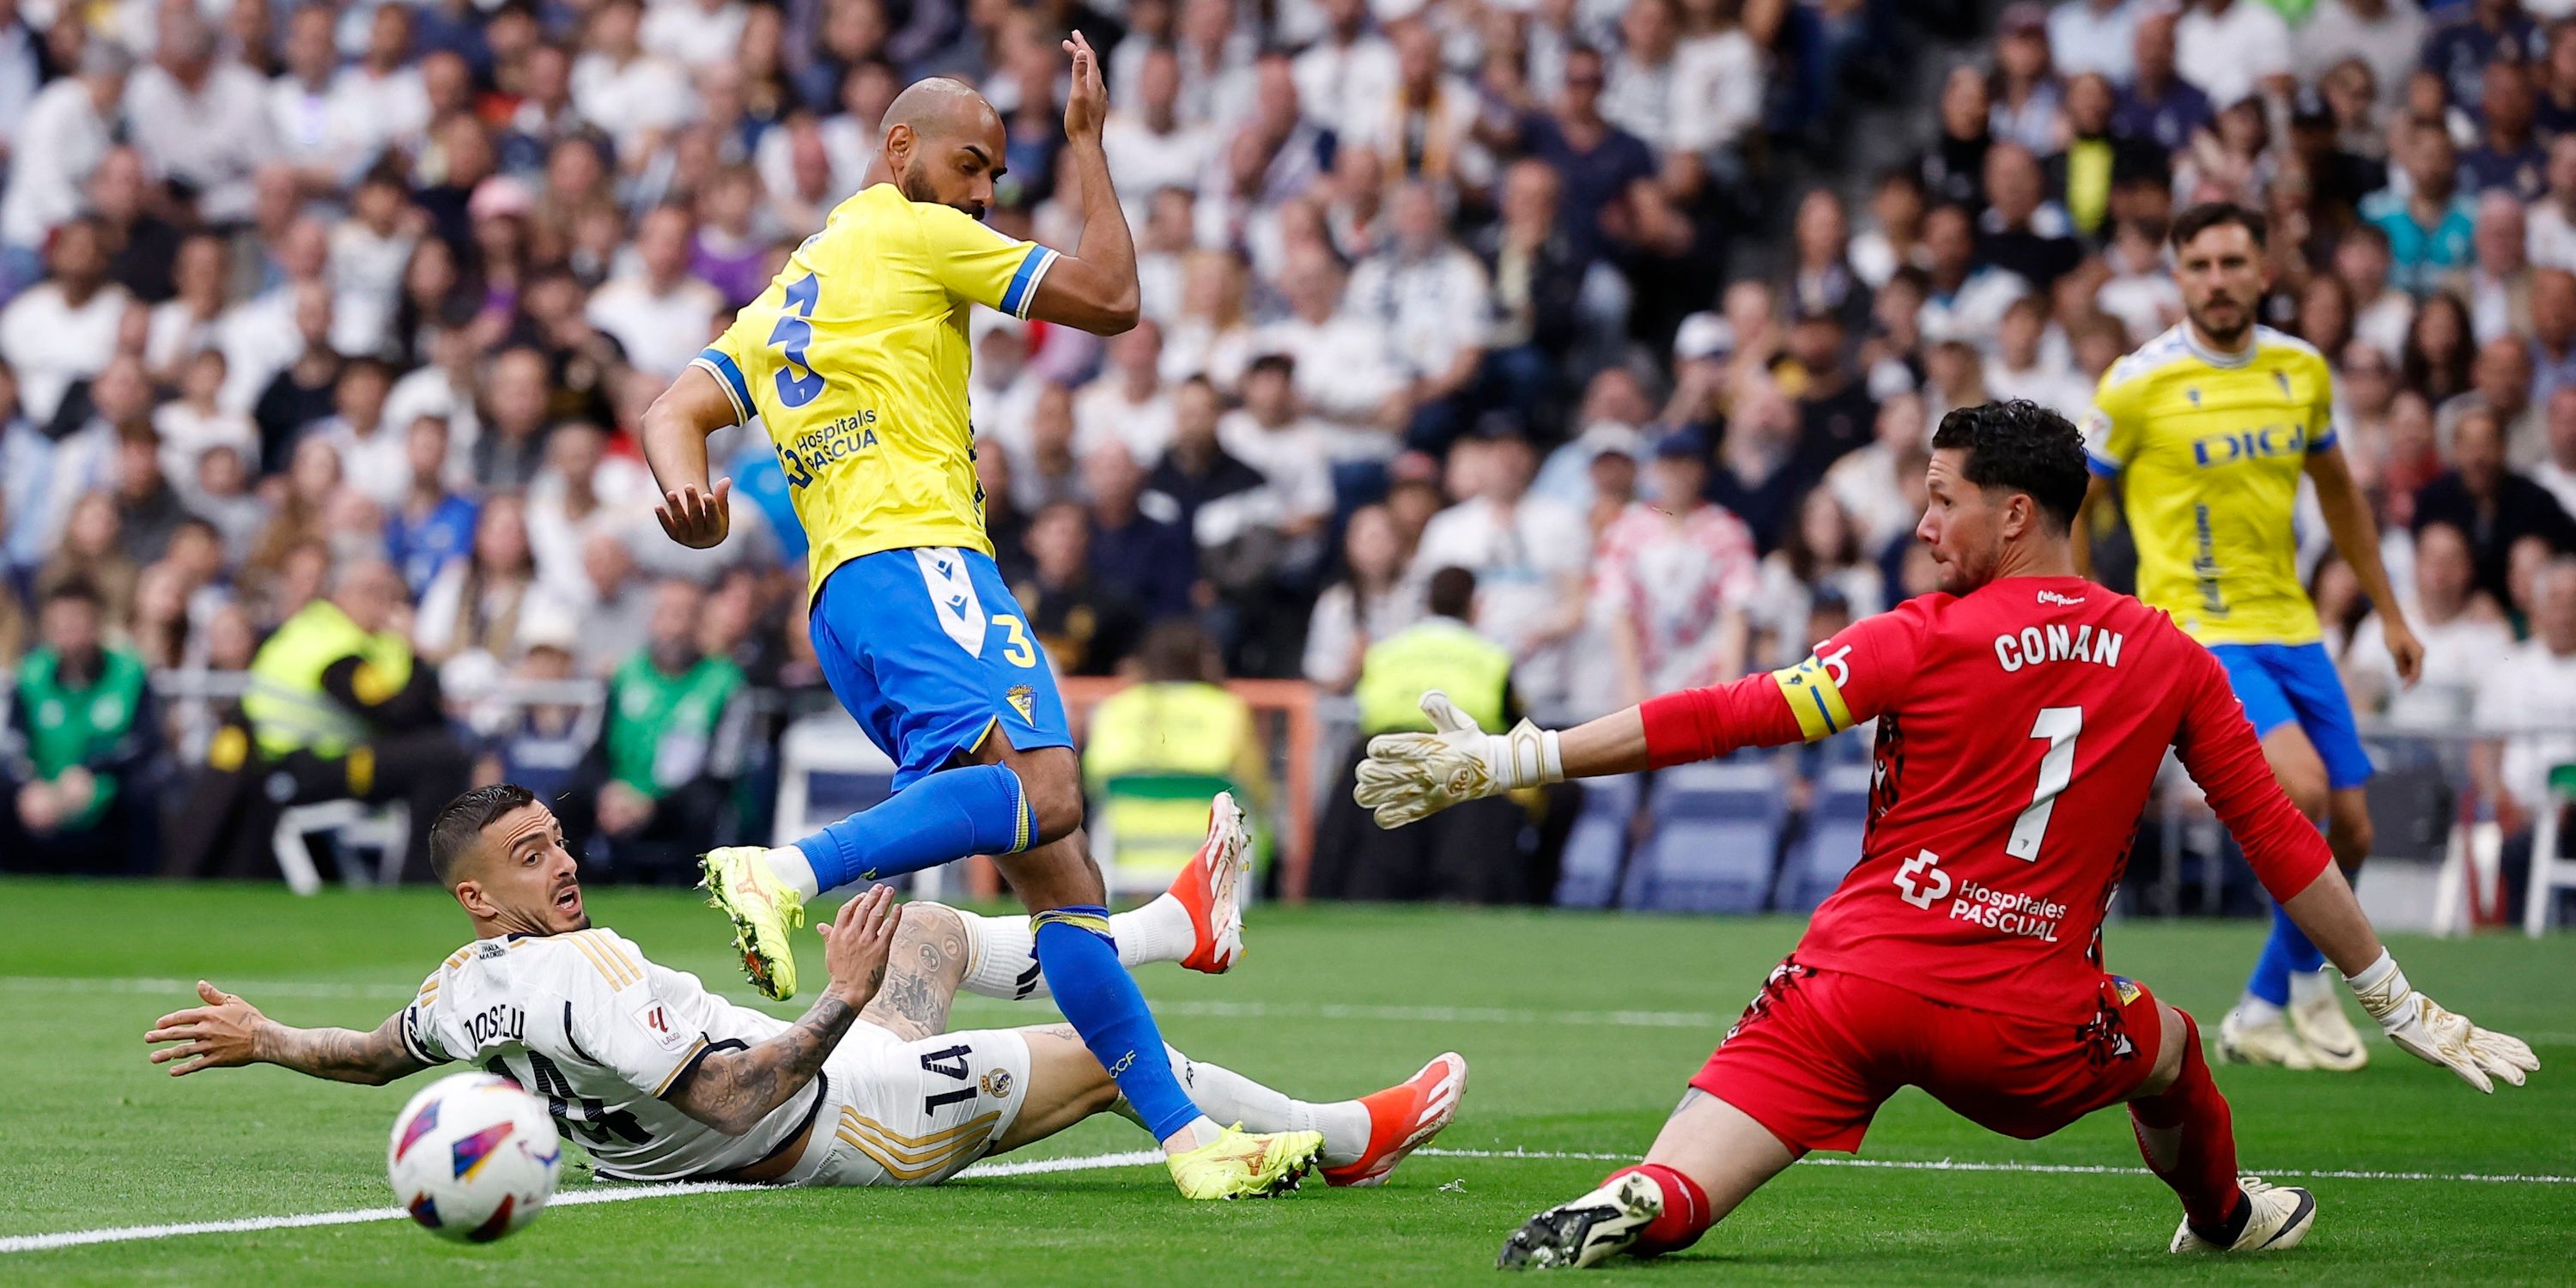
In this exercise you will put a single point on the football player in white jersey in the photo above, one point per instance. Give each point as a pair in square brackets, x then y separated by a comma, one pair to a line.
[662, 1080]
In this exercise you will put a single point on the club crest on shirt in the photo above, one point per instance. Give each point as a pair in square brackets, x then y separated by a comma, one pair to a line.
[997, 1084]
[1024, 700]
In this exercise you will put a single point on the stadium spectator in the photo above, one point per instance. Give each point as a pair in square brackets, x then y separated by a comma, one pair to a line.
[1085, 625]
[1427, 297]
[2472, 38]
[431, 524]
[2498, 282]
[2526, 706]
[2430, 224]
[1528, 556]
[1821, 550]
[1138, 547]
[2233, 50]
[514, 419]
[1369, 601]
[1672, 577]
[656, 787]
[66, 131]
[199, 117]
[2463, 631]
[303, 390]
[63, 329]
[2385, 36]
[659, 313]
[2489, 503]
[2160, 104]
[79, 753]
[473, 605]
[1128, 403]
[2438, 351]
[2095, 36]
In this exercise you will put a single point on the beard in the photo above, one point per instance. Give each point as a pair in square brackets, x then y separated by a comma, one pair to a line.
[913, 181]
[2226, 336]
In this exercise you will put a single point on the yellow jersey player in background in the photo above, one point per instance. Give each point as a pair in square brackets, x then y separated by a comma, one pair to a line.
[855, 360]
[2207, 430]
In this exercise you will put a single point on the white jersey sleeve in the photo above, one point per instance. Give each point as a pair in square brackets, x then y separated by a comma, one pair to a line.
[615, 1018]
[420, 1022]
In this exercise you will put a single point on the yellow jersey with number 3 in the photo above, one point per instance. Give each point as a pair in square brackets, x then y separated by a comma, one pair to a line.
[856, 359]
[2208, 449]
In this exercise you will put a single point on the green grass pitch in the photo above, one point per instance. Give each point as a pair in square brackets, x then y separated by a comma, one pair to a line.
[1325, 1005]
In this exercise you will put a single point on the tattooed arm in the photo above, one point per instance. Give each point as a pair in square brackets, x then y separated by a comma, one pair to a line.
[227, 1032]
[732, 1091]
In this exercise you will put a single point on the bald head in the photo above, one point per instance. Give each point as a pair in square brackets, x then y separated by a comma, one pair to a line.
[943, 143]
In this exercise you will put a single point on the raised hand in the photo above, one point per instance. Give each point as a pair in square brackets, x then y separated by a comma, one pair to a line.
[858, 941]
[1089, 104]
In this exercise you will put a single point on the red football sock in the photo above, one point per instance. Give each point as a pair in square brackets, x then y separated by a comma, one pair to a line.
[2189, 1140]
[1686, 1215]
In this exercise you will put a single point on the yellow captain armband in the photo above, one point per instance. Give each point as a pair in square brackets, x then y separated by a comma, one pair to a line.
[1815, 693]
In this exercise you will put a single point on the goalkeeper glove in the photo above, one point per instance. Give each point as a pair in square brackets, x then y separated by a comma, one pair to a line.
[1411, 775]
[2420, 1026]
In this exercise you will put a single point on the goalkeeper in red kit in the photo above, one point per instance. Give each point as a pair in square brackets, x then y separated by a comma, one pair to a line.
[2022, 713]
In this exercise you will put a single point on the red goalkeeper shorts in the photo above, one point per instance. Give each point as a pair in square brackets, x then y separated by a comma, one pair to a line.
[1819, 1051]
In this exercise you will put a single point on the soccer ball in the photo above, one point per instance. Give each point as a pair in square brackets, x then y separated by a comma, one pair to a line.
[473, 1157]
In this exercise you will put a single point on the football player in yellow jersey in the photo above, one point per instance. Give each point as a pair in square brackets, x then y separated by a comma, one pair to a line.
[2207, 430]
[855, 361]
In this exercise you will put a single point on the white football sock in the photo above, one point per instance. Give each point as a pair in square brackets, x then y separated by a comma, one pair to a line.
[1002, 952]
[2254, 1010]
[789, 865]
[1227, 1097]
[2306, 986]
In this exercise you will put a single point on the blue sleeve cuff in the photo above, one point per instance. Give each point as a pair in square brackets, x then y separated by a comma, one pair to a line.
[2321, 442]
[2102, 467]
[721, 366]
[1023, 290]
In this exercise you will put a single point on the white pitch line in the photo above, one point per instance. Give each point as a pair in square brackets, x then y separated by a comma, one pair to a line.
[184, 991]
[1147, 1157]
[2046, 1169]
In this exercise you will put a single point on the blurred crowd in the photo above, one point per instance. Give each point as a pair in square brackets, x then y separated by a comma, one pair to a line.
[1426, 284]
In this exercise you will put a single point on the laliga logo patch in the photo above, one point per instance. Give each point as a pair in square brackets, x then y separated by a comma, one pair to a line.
[997, 1084]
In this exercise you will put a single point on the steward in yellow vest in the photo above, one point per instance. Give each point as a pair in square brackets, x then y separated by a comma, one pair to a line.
[338, 708]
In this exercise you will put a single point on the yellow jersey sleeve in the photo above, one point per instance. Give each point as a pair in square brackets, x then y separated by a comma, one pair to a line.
[976, 263]
[2111, 426]
[725, 358]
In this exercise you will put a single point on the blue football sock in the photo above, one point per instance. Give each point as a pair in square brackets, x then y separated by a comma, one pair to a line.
[2281, 952]
[1096, 993]
[979, 809]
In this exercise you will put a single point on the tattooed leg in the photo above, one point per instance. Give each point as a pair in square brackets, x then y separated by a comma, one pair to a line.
[922, 973]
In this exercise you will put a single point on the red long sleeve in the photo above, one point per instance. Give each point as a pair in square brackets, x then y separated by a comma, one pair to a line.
[1702, 724]
[2221, 753]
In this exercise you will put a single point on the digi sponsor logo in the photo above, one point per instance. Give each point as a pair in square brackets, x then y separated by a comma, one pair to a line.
[2249, 444]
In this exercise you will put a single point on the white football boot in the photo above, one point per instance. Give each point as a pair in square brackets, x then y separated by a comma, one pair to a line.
[2281, 1217]
[2269, 1042]
[2316, 1013]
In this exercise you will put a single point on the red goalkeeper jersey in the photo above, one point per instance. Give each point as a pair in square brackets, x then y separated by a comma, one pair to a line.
[2019, 730]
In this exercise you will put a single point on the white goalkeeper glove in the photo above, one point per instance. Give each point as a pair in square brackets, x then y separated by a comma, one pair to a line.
[2420, 1026]
[1411, 775]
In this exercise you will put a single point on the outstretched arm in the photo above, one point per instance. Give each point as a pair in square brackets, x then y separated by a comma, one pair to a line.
[227, 1032]
[2356, 538]
[732, 1091]
[1849, 679]
[2219, 749]
[675, 433]
[2097, 493]
[1095, 288]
